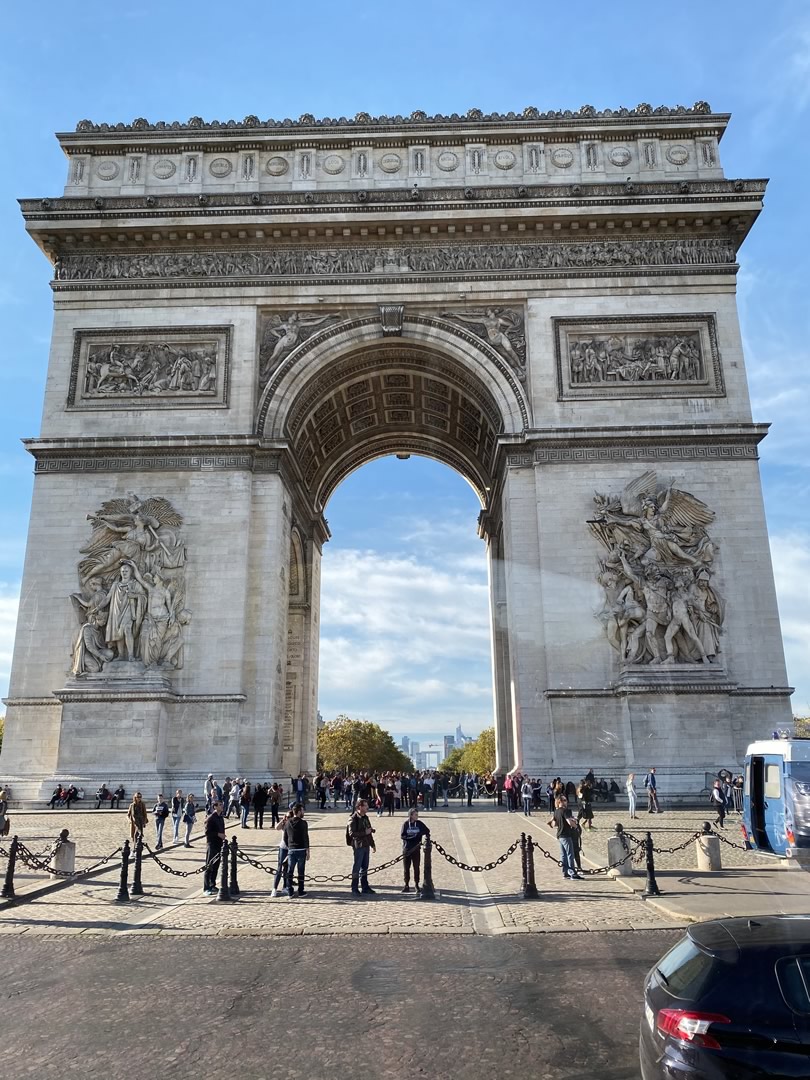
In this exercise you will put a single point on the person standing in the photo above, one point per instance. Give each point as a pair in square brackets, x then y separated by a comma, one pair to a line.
[274, 795]
[630, 787]
[3, 813]
[470, 786]
[527, 795]
[208, 789]
[137, 816]
[244, 804]
[411, 833]
[296, 836]
[362, 838]
[259, 803]
[189, 817]
[718, 800]
[585, 813]
[563, 821]
[651, 784]
[177, 815]
[160, 812]
[281, 869]
[214, 839]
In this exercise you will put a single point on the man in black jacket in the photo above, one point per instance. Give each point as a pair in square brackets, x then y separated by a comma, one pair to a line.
[296, 837]
[362, 837]
[215, 838]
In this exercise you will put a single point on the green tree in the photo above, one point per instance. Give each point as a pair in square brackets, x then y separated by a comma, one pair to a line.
[346, 744]
[453, 763]
[801, 726]
[479, 755]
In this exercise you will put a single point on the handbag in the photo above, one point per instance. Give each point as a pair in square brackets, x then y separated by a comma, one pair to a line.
[7, 826]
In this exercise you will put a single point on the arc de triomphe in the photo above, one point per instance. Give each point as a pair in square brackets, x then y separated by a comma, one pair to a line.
[246, 312]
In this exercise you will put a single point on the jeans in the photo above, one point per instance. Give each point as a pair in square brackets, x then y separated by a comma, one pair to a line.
[360, 866]
[631, 799]
[281, 871]
[245, 812]
[567, 856]
[212, 858]
[273, 814]
[159, 824]
[258, 817]
[527, 805]
[412, 859]
[297, 861]
[189, 827]
[176, 818]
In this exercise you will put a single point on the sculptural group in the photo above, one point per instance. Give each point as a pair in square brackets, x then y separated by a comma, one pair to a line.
[660, 606]
[130, 602]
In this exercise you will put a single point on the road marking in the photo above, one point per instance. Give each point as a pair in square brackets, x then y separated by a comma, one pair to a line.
[484, 911]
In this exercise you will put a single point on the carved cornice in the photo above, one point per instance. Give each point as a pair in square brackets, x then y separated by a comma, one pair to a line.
[364, 121]
[61, 696]
[492, 196]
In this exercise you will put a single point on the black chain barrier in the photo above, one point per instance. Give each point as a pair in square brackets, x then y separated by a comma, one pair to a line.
[34, 862]
[476, 869]
[320, 879]
[177, 873]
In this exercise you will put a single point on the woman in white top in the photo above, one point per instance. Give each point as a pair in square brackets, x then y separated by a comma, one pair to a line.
[631, 793]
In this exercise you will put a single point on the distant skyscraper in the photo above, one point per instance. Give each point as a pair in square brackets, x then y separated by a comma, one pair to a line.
[449, 744]
[406, 745]
[461, 738]
[414, 750]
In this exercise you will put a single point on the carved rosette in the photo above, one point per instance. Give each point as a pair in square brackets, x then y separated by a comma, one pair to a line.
[660, 606]
[131, 599]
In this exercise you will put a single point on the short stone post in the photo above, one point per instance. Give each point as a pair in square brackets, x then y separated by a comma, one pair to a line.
[123, 891]
[224, 892]
[707, 850]
[618, 850]
[428, 892]
[651, 888]
[137, 887]
[234, 885]
[530, 888]
[8, 885]
[64, 858]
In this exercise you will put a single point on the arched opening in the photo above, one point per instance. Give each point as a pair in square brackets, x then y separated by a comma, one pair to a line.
[348, 398]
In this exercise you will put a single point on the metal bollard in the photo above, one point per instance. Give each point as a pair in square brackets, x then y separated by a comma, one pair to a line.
[234, 886]
[8, 885]
[123, 891]
[224, 892]
[651, 888]
[524, 868]
[137, 887]
[530, 888]
[428, 892]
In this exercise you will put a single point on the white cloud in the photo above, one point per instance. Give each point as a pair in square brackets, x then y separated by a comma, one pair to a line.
[9, 605]
[791, 563]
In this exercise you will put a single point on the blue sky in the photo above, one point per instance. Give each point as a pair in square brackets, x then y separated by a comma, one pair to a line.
[404, 577]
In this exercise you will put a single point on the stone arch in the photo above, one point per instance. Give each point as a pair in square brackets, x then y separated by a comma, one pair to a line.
[297, 568]
[348, 395]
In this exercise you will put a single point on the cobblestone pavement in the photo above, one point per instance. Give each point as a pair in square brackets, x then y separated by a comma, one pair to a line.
[566, 1006]
[484, 903]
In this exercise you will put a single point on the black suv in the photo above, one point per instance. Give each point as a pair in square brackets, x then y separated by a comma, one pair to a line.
[731, 999]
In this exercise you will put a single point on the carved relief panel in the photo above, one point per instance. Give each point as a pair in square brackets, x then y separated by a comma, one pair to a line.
[150, 367]
[638, 356]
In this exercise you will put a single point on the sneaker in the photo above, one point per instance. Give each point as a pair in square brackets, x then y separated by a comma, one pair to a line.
[576, 877]
[407, 888]
[302, 892]
[290, 895]
[368, 890]
[274, 893]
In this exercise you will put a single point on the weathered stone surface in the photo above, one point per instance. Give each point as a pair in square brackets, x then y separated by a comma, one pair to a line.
[279, 309]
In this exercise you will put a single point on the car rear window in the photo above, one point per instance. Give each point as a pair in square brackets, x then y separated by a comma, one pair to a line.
[686, 969]
[793, 975]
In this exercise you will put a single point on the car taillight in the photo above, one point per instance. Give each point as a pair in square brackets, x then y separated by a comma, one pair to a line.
[691, 1027]
[791, 836]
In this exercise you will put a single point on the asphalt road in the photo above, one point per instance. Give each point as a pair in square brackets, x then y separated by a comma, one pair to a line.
[565, 1006]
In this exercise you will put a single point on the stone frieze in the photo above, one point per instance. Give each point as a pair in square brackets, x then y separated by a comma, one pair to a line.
[452, 259]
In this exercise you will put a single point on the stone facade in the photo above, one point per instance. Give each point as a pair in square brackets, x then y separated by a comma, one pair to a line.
[246, 312]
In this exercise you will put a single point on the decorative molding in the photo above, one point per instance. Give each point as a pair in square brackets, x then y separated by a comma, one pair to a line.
[403, 260]
[150, 367]
[593, 455]
[68, 694]
[633, 356]
[530, 114]
[391, 319]
[136, 462]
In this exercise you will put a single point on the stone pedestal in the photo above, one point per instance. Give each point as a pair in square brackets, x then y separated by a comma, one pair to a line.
[616, 851]
[65, 858]
[707, 850]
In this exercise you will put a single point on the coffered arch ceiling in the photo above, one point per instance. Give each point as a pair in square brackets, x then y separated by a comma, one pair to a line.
[394, 397]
